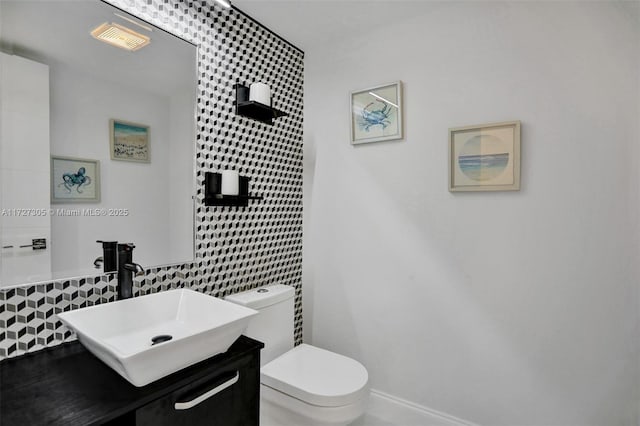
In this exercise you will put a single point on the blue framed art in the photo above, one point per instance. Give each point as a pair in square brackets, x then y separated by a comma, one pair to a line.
[485, 157]
[376, 114]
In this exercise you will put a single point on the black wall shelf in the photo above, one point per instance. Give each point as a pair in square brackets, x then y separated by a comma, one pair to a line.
[213, 197]
[252, 109]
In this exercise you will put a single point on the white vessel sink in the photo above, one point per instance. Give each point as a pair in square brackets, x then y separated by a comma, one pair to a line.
[122, 333]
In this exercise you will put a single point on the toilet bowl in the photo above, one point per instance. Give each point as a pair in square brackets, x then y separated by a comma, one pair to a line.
[302, 385]
[312, 386]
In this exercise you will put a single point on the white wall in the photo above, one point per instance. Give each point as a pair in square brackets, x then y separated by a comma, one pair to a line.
[24, 169]
[500, 308]
[81, 107]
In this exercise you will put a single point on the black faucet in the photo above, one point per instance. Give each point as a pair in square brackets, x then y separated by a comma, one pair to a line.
[109, 259]
[126, 269]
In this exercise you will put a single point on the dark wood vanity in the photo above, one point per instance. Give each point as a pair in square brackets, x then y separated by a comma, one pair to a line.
[67, 385]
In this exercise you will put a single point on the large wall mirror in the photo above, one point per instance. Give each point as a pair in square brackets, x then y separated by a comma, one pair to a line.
[96, 141]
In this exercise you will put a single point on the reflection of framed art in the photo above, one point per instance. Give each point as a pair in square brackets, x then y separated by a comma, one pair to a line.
[485, 157]
[129, 141]
[75, 180]
[376, 114]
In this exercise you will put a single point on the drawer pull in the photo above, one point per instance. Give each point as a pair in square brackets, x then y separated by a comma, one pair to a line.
[190, 404]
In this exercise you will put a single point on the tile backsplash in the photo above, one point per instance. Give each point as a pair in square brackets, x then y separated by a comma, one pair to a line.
[237, 248]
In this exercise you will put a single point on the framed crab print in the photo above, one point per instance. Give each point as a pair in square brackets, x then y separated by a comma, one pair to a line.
[376, 114]
[75, 180]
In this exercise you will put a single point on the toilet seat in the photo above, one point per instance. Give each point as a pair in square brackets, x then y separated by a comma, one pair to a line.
[317, 377]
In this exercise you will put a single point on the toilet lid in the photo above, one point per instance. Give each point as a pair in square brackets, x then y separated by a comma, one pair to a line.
[316, 376]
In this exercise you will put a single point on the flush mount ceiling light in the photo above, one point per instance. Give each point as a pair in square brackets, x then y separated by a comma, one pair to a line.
[119, 36]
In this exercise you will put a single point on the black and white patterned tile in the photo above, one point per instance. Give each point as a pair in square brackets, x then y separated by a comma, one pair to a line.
[237, 248]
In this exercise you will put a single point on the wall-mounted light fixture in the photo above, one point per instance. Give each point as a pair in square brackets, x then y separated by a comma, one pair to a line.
[120, 36]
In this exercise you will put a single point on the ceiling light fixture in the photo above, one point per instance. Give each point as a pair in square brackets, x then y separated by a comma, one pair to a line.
[224, 3]
[119, 36]
[383, 99]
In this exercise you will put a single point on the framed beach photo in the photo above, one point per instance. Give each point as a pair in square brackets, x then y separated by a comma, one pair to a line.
[129, 141]
[485, 157]
[75, 180]
[376, 114]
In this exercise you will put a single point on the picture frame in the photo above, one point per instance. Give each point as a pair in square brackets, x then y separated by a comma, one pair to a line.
[74, 180]
[376, 113]
[129, 141]
[485, 157]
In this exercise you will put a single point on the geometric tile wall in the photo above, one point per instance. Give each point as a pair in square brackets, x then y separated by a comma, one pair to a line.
[237, 248]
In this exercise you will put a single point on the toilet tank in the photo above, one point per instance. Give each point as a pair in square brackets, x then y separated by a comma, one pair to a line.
[273, 326]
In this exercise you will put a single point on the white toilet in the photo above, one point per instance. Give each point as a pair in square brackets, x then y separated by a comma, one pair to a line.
[304, 385]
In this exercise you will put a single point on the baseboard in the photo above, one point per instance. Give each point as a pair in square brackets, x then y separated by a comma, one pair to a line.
[399, 411]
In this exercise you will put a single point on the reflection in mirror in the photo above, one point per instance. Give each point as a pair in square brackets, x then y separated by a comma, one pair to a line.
[96, 141]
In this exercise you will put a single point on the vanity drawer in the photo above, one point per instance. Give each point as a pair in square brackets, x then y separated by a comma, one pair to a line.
[229, 396]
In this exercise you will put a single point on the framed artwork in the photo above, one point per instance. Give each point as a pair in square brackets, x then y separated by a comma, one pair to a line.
[129, 141]
[376, 114]
[75, 180]
[485, 157]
